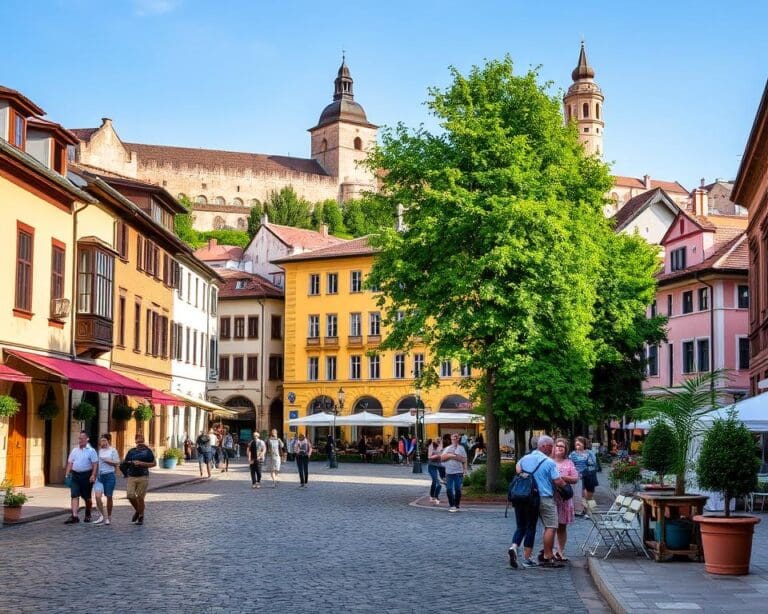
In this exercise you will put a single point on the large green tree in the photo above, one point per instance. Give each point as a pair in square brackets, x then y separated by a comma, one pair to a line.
[286, 208]
[504, 250]
[254, 219]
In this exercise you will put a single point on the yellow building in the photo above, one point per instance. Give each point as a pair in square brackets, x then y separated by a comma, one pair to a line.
[333, 329]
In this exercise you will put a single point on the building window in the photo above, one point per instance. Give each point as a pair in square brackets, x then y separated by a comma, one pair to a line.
[374, 371]
[25, 240]
[355, 329]
[312, 369]
[702, 354]
[688, 301]
[688, 357]
[446, 368]
[330, 368]
[597, 111]
[743, 297]
[253, 327]
[194, 347]
[677, 259]
[653, 309]
[313, 330]
[354, 367]
[57, 270]
[333, 283]
[136, 325]
[239, 327]
[332, 325]
[253, 368]
[275, 368]
[187, 343]
[19, 131]
[743, 353]
[223, 368]
[224, 328]
[358, 143]
[121, 322]
[653, 361]
[277, 327]
[95, 271]
[703, 299]
[374, 323]
[314, 284]
[465, 369]
[585, 110]
[121, 240]
[237, 368]
[418, 365]
[669, 305]
[214, 301]
[399, 366]
[356, 281]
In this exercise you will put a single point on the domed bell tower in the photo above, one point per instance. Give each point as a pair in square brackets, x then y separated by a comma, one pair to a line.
[583, 104]
[342, 138]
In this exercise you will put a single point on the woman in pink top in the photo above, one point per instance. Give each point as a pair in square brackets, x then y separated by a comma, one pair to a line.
[565, 514]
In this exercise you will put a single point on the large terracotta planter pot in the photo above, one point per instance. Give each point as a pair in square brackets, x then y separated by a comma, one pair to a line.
[11, 514]
[727, 543]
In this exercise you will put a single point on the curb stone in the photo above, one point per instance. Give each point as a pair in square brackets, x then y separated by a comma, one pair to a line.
[613, 599]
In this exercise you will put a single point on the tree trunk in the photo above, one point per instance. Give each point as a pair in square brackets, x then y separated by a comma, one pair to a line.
[727, 506]
[680, 484]
[521, 444]
[493, 462]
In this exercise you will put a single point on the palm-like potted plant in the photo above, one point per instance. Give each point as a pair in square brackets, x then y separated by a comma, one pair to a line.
[728, 463]
[12, 502]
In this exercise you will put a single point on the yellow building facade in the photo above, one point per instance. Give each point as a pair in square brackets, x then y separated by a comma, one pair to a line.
[333, 329]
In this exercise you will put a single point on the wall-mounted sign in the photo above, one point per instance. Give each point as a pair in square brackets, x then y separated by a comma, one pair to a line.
[293, 414]
[291, 397]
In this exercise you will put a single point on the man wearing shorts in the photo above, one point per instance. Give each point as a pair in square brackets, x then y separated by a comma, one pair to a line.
[82, 466]
[546, 478]
[139, 459]
[204, 454]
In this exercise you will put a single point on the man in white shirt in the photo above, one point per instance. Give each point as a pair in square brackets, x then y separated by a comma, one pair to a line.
[82, 467]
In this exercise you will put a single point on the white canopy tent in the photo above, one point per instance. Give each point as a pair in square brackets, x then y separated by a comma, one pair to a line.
[363, 418]
[753, 412]
[319, 419]
[440, 417]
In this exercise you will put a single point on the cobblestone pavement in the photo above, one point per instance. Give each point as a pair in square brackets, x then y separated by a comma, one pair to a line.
[350, 542]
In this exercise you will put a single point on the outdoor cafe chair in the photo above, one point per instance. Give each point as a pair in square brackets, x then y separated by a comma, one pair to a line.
[615, 529]
[619, 506]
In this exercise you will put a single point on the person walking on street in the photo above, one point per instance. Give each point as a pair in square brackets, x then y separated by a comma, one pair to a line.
[257, 449]
[204, 453]
[434, 463]
[302, 449]
[109, 459]
[585, 462]
[273, 456]
[454, 459]
[402, 450]
[570, 475]
[140, 460]
[227, 448]
[82, 467]
[213, 438]
[291, 444]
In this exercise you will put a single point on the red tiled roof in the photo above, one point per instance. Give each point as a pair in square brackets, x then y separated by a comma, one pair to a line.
[729, 256]
[301, 237]
[84, 134]
[29, 106]
[634, 182]
[213, 158]
[48, 125]
[255, 286]
[355, 247]
[635, 205]
[219, 252]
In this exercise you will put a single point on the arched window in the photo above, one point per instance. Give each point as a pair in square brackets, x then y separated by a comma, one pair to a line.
[597, 110]
[324, 145]
[567, 113]
[201, 200]
[237, 202]
[585, 110]
[358, 143]
[220, 201]
[242, 224]
[218, 222]
[255, 202]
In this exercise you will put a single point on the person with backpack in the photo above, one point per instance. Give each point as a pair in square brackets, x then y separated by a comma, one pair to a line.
[204, 453]
[538, 472]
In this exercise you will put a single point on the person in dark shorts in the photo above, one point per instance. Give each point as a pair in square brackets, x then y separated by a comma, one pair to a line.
[257, 449]
[82, 468]
[204, 453]
[139, 460]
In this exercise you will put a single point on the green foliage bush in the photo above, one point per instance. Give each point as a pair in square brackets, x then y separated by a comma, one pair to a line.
[660, 449]
[48, 410]
[475, 481]
[143, 412]
[84, 411]
[8, 406]
[176, 453]
[120, 411]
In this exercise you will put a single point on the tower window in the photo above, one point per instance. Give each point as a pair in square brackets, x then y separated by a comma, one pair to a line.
[585, 109]
[586, 129]
[567, 113]
[324, 145]
[358, 143]
[597, 110]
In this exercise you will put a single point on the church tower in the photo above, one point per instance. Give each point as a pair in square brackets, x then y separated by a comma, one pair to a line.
[342, 138]
[583, 103]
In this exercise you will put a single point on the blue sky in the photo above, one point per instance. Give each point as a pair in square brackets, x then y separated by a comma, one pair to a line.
[681, 79]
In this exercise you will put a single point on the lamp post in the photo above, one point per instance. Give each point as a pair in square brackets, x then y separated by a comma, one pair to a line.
[417, 468]
[333, 462]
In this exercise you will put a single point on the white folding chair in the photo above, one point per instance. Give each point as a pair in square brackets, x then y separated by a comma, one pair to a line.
[625, 530]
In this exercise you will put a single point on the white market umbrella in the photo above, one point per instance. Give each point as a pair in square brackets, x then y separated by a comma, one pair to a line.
[363, 418]
[444, 417]
[753, 412]
[404, 419]
[321, 419]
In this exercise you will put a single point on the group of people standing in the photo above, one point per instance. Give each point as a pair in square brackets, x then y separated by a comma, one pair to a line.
[91, 473]
[447, 465]
[553, 470]
[215, 448]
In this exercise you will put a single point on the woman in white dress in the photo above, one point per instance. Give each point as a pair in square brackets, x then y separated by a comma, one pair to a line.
[273, 456]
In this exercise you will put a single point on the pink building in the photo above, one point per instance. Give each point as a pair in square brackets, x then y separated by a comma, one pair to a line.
[704, 291]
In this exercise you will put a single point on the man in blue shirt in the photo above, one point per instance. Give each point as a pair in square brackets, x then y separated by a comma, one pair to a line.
[546, 478]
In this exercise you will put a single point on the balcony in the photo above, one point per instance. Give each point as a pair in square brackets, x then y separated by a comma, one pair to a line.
[331, 342]
[93, 334]
[313, 341]
[374, 340]
[355, 341]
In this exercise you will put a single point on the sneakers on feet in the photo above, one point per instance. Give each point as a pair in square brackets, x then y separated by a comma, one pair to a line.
[512, 552]
[72, 520]
[437, 501]
[140, 520]
[107, 521]
[253, 485]
[87, 519]
[99, 520]
[529, 563]
[258, 485]
[135, 517]
[453, 510]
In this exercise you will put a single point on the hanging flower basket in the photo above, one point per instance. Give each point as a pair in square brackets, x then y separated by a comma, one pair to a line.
[143, 413]
[121, 412]
[8, 406]
[48, 410]
[84, 411]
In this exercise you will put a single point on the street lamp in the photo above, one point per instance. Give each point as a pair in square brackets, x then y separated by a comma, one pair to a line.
[417, 452]
[333, 462]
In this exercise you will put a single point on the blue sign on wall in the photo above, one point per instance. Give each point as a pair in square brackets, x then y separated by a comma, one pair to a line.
[291, 397]
[293, 414]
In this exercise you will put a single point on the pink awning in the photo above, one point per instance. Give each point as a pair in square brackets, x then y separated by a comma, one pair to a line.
[165, 398]
[85, 376]
[12, 375]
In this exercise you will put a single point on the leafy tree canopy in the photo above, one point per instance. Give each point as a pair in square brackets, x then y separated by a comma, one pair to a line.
[254, 220]
[286, 208]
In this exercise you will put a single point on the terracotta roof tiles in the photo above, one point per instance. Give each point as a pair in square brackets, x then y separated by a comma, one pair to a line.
[634, 182]
[729, 256]
[354, 247]
[303, 238]
[239, 284]
[84, 134]
[214, 251]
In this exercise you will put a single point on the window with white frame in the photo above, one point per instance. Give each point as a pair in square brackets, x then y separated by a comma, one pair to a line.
[418, 365]
[356, 281]
[332, 285]
[355, 326]
[312, 369]
[330, 368]
[446, 368]
[677, 259]
[399, 366]
[465, 369]
[332, 325]
[703, 299]
[314, 284]
[374, 323]
[374, 370]
[354, 367]
[313, 330]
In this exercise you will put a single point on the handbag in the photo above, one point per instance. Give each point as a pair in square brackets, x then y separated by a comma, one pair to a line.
[565, 492]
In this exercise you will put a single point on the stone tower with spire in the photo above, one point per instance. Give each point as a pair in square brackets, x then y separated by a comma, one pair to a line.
[342, 138]
[583, 104]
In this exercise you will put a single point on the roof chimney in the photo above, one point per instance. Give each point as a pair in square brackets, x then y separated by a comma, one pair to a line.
[106, 121]
[212, 243]
[700, 202]
[324, 229]
[702, 184]
[647, 181]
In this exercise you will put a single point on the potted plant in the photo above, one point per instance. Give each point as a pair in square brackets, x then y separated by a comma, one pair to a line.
[84, 411]
[625, 471]
[659, 453]
[8, 406]
[728, 463]
[121, 412]
[171, 457]
[143, 412]
[48, 410]
[12, 502]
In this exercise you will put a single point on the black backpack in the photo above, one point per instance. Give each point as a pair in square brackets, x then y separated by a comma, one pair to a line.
[523, 490]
